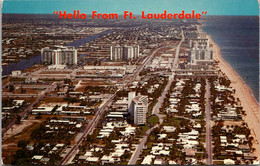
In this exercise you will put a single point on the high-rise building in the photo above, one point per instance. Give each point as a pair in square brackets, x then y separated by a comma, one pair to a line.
[138, 107]
[199, 40]
[118, 53]
[59, 55]
[135, 52]
[131, 96]
[128, 53]
[200, 54]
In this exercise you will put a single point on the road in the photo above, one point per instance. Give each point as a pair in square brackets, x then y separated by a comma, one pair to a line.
[183, 117]
[208, 127]
[156, 109]
[139, 149]
[174, 66]
[93, 123]
[29, 108]
[9, 94]
[78, 85]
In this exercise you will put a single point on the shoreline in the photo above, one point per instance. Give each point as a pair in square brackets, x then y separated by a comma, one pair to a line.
[243, 92]
[224, 62]
[220, 57]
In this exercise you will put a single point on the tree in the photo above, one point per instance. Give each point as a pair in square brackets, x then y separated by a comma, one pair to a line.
[67, 81]
[11, 88]
[18, 119]
[38, 116]
[23, 90]
[23, 143]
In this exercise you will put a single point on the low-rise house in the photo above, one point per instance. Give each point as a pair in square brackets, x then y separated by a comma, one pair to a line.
[82, 158]
[158, 162]
[42, 110]
[36, 159]
[249, 156]
[171, 162]
[88, 154]
[190, 152]
[244, 148]
[92, 159]
[162, 136]
[107, 160]
[229, 162]
[169, 129]
[45, 160]
[148, 160]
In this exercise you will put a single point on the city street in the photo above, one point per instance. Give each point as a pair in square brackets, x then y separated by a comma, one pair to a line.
[156, 109]
[122, 88]
[208, 127]
[92, 124]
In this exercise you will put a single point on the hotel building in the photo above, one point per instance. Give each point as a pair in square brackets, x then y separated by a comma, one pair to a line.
[200, 54]
[138, 107]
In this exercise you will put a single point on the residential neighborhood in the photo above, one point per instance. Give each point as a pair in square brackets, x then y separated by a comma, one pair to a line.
[120, 92]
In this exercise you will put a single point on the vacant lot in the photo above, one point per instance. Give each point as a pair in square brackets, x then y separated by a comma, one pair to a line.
[14, 135]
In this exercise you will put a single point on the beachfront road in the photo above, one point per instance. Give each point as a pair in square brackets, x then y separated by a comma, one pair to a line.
[208, 128]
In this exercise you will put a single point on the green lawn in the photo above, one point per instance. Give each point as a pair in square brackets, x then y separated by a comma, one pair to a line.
[153, 120]
[143, 129]
[172, 121]
[218, 162]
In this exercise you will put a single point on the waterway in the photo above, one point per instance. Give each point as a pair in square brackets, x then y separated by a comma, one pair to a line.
[26, 63]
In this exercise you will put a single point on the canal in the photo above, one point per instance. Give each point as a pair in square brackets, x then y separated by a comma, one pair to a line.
[26, 63]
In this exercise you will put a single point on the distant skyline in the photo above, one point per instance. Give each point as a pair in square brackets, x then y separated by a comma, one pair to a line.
[213, 7]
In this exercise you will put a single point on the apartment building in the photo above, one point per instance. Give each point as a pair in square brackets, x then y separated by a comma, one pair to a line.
[119, 53]
[59, 55]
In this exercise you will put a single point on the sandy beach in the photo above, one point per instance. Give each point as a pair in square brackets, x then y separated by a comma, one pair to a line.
[244, 93]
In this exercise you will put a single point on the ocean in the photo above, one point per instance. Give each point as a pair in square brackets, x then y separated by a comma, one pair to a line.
[238, 40]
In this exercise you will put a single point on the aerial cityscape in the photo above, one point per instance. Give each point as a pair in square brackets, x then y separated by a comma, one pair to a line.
[123, 92]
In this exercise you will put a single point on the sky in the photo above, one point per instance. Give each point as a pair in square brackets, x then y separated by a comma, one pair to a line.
[213, 7]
